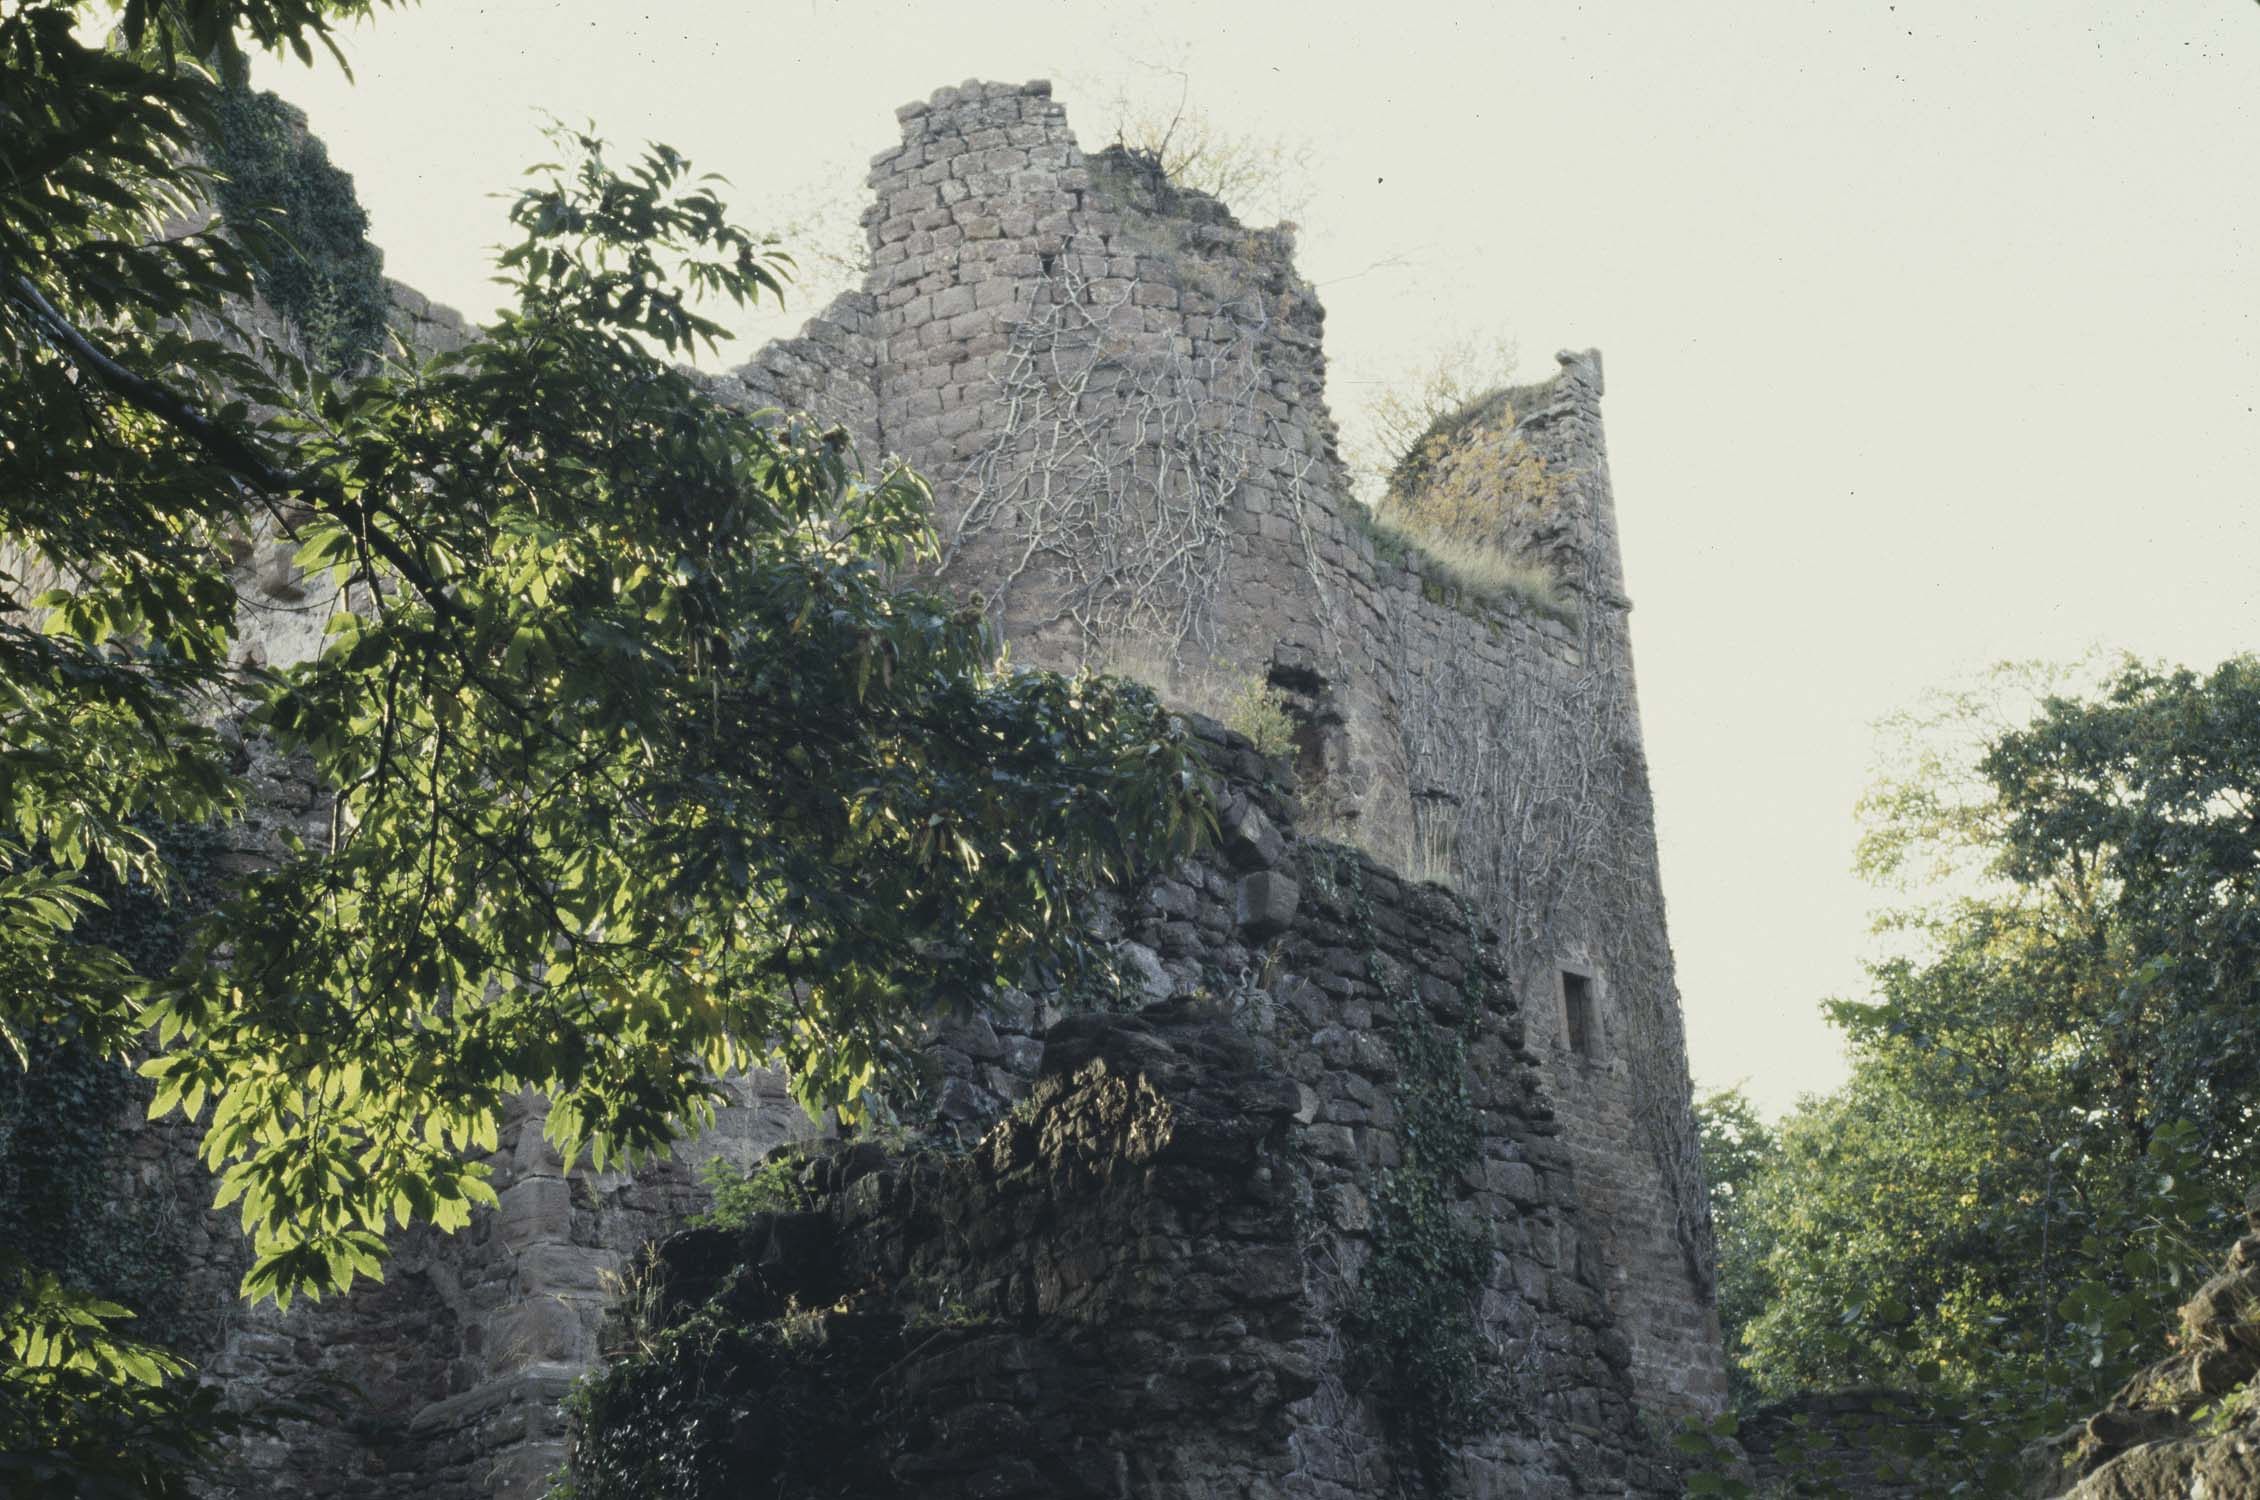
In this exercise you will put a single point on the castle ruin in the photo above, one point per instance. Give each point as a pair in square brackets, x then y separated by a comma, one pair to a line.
[1116, 391]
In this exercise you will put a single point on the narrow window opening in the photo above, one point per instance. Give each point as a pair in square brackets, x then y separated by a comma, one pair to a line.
[1579, 1023]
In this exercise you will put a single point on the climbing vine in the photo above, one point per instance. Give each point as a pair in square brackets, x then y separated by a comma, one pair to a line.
[319, 269]
[1138, 440]
[1414, 1326]
[1135, 427]
[1537, 801]
[1115, 466]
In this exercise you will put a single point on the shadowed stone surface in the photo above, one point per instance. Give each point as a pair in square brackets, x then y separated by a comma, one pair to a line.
[1139, 1281]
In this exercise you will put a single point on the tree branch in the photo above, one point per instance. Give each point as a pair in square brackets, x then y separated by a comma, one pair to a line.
[225, 448]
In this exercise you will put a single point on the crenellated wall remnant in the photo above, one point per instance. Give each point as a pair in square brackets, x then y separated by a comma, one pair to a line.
[1116, 390]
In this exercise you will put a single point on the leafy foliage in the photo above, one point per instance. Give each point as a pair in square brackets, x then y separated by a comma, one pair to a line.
[86, 1410]
[1258, 710]
[741, 1196]
[1739, 1148]
[319, 269]
[1708, 1450]
[673, 1417]
[114, 637]
[639, 762]
[2046, 1120]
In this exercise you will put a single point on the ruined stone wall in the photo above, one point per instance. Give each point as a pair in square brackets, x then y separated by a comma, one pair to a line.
[1153, 1275]
[444, 1380]
[1117, 391]
[828, 370]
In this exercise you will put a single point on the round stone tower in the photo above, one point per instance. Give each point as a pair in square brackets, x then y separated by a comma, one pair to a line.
[1116, 389]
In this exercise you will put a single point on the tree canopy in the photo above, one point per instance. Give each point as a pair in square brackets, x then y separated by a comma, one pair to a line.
[641, 755]
[2049, 1114]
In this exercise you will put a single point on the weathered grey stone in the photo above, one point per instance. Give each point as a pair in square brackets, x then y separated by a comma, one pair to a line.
[1267, 904]
[278, 576]
[1143, 966]
[536, 1208]
[972, 1035]
[539, 1329]
[1204, 344]
[1249, 839]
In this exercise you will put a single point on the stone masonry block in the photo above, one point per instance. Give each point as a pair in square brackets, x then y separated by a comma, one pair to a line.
[1267, 904]
[1250, 842]
[534, 1210]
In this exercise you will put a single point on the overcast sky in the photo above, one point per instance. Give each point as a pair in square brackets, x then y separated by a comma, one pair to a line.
[1931, 328]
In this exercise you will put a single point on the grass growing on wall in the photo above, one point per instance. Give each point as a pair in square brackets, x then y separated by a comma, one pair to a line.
[1241, 700]
[1478, 572]
[1461, 499]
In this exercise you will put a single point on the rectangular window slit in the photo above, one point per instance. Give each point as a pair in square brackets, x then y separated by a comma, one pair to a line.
[1577, 1011]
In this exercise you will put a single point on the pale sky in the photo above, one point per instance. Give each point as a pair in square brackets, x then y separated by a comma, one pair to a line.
[1932, 330]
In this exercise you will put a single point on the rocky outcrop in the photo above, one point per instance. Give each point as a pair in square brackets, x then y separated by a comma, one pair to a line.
[2188, 1427]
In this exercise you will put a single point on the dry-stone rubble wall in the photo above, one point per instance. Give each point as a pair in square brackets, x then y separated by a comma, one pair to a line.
[1147, 1278]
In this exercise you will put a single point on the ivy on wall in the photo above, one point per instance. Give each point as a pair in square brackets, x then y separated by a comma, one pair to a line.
[59, 1208]
[319, 269]
[713, 1408]
[63, 1205]
[1414, 1324]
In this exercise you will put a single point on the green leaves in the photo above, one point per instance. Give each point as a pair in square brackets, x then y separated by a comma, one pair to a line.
[84, 1409]
[644, 765]
[2049, 1109]
[633, 250]
[633, 759]
[50, 1330]
[1714, 1461]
